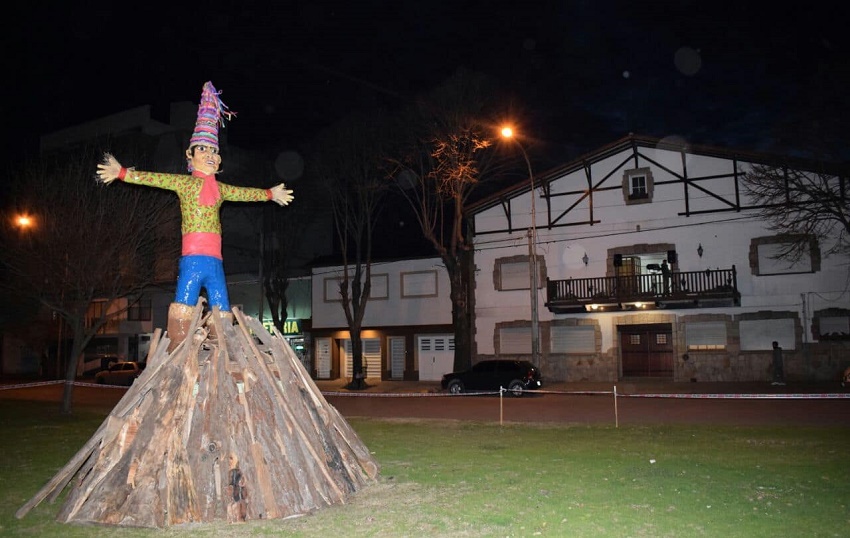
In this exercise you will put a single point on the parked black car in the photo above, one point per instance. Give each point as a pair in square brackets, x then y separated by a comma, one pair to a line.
[513, 375]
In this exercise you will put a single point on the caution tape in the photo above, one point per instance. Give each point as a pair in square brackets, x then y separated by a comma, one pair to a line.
[404, 394]
[27, 385]
[59, 382]
[702, 396]
[99, 385]
[366, 394]
[756, 396]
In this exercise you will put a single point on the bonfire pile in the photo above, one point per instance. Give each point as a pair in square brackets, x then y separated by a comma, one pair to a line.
[228, 428]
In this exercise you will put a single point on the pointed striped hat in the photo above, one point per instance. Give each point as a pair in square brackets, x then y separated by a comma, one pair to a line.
[210, 113]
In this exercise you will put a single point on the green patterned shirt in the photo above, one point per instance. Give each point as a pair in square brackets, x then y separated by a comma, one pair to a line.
[197, 218]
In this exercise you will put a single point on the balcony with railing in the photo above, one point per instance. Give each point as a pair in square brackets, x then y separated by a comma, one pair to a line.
[712, 287]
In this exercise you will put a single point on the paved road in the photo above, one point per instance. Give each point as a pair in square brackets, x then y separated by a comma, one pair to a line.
[600, 409]
[594, 406]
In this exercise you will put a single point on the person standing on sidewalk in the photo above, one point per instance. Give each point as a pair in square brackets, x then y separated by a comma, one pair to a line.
[778, 367]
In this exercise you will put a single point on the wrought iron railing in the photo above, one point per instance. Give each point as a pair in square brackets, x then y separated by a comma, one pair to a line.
[659, 289]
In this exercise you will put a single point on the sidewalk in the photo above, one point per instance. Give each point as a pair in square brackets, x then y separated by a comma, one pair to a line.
[631, 386]
[624, 386]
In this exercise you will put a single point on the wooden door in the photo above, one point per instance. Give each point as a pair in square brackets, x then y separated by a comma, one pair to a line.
[628, 276]
[647, 350]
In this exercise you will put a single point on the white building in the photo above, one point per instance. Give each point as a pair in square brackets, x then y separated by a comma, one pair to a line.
[407, 329]
[604, 225]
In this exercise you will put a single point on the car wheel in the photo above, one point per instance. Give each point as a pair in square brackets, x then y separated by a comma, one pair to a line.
[515, 388]
[455, 386]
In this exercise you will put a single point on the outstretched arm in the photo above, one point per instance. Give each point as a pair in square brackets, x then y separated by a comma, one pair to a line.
[281, 195]
[109, 170]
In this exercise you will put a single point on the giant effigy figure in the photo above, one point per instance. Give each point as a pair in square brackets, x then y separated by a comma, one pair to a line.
[230, 428]
[201, 197]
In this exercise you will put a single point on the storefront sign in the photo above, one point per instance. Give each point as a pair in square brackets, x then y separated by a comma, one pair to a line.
[290, 327]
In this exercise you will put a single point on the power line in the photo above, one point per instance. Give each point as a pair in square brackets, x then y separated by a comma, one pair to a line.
[612, 234]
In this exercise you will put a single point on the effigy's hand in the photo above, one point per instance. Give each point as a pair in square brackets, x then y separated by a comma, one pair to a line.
[281, 195]
[109, 169]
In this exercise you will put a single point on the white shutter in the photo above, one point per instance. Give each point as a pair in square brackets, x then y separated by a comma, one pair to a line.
[573, 339]
[706, 333]
[371, 357]
[323, 358]
[834, 325]
[379, 287]
[397, 353]
[419, 284]
[759, 334]
[513, 340]
[515, 276]
[769, 265]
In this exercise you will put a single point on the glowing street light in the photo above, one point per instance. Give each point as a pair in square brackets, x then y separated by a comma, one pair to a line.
[508, 133]
[24, 221]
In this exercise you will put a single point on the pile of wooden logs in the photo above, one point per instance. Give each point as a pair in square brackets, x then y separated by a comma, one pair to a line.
[228, 428]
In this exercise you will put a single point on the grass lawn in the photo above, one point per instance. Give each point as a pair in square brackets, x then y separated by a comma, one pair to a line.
[449, 478]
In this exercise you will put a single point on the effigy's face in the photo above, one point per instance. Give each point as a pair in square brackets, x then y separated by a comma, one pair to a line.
[204, 158]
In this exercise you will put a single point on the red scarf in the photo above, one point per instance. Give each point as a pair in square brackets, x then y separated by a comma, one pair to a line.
[209, 194]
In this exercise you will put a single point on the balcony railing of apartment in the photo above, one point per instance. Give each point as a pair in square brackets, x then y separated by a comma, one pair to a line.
[712, 287]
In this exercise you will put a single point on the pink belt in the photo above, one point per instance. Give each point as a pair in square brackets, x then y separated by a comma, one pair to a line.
[202, 244]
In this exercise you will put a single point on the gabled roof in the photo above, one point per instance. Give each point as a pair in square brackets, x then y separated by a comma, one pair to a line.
[632, 141]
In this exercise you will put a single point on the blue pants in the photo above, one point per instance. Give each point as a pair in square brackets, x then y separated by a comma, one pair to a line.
[198, 272]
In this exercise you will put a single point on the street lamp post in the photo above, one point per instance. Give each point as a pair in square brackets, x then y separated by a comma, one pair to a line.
[508, 133]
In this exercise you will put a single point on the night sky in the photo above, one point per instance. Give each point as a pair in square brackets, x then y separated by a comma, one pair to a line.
[750, 75]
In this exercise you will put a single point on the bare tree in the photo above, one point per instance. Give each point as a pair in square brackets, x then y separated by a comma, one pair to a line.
[802, 206]
[350, 163]
[286, 244]
[284, 233]
[446, 162]
[276, 242]
[87, 242]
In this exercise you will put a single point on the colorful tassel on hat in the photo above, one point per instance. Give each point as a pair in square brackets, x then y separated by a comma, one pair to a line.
[211, 114]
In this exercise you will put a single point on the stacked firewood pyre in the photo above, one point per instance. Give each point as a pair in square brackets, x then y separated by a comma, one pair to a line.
[228, 428]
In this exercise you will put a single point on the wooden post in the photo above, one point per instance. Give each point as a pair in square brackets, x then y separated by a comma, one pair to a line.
[501, 405]
[616, 413]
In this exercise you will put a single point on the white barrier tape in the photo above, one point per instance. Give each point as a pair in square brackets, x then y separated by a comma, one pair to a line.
[404, 394]
[27, 385]
[99, 385]
[447, 394]
[59, 382]
[719, 396]
[789, 396]
[573, 392]
[707, 396]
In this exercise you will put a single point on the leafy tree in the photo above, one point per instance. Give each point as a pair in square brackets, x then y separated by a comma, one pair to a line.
[349, 162]
[87, 243]
[803, 206]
